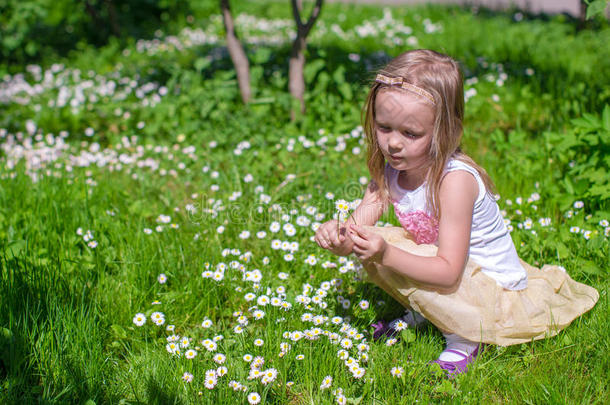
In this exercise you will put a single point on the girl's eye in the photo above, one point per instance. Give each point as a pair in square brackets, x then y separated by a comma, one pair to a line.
[383, 129]
[409, 134]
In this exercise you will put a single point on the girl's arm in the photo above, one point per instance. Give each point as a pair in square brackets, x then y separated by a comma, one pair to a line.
[457, 196]
[333, 237]
[370, 209]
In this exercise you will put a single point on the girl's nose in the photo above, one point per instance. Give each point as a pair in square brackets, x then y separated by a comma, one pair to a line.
[394, 140]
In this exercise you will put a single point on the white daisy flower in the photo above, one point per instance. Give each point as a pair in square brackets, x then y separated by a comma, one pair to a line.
[139, 319]
[172, 347]
[397, 371]
[158, 318]
[358, 372]
[185, 342]
[254, 398]
[262, 300]
[326, 382]
[311, 260]
[289, 229]
[210, 382]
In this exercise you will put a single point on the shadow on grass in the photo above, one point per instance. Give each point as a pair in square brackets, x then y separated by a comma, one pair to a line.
[20, 295]
[158, 394]
[37, 356]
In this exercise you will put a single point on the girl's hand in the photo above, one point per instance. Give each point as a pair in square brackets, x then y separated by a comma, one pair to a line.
[368, 246]
[333, 238]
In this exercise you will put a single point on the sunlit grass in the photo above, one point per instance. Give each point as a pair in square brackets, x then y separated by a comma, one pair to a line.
[172, 189]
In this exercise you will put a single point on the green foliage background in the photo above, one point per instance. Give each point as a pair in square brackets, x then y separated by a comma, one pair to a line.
[34, 29]
[539, 122]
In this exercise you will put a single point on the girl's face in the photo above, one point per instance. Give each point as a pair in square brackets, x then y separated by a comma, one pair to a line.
[404, 125]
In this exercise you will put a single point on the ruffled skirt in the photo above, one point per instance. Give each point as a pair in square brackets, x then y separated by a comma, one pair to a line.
[481, 310]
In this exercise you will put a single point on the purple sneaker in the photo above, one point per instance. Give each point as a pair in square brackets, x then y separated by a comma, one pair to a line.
[410, 319]
[382, 329]
[460, 366]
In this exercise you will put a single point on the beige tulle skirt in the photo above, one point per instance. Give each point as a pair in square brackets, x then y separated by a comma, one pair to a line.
[479, 309]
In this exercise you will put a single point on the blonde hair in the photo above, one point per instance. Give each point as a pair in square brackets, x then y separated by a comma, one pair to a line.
[441, 76]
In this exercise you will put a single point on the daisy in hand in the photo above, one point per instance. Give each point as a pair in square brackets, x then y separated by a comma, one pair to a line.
[368, 246]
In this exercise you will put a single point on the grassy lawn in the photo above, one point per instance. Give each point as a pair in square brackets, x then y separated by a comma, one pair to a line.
[156, 234]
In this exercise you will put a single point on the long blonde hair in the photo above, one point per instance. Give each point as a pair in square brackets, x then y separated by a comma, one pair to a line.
[441, 76]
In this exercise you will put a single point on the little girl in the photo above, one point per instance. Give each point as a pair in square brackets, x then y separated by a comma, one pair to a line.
[456, 263]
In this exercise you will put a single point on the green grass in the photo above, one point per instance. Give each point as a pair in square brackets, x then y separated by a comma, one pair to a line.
[66, 308]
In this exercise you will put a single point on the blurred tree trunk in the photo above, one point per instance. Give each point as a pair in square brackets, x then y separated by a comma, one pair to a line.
[238, 56]
[92, 10]
[296, 83]
[98, 20]
[94, 14]
[583, 13]
[114, 22]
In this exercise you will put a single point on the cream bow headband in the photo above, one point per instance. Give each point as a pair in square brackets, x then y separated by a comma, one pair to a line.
[400, 82]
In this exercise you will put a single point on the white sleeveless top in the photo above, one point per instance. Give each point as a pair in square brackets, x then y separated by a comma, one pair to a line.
[490, 243]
